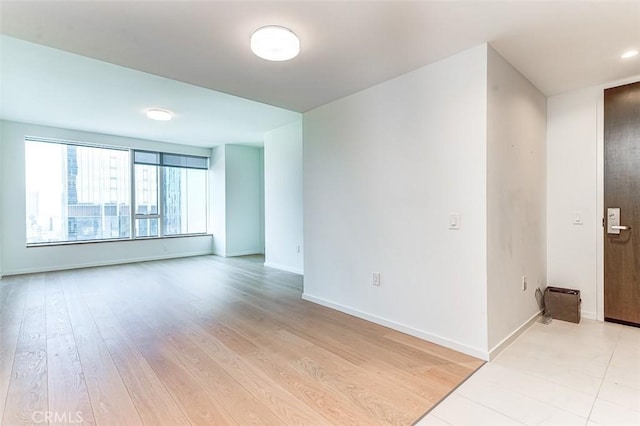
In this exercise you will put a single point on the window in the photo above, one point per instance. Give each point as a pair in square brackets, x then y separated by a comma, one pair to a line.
[170, 194]
[184, 207]
[147, 213]
[77, 193]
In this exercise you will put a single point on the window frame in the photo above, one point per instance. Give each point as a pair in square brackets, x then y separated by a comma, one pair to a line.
[160, 164]
[139, 216]
[132, 209]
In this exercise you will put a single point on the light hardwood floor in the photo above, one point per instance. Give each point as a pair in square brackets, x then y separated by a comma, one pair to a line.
[204, 340]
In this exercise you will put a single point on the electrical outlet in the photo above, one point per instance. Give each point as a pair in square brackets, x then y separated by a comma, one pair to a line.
[524, 282]
[298, 249]
[376, 278]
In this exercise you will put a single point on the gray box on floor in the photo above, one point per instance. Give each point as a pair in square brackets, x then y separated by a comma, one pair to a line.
[562, 303]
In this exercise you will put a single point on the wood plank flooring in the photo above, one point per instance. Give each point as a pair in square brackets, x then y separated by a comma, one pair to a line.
[204, 340]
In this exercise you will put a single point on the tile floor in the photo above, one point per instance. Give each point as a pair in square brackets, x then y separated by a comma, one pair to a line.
[556, 374]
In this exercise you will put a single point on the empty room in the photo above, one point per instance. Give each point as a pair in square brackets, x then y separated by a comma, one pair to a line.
[319, 212]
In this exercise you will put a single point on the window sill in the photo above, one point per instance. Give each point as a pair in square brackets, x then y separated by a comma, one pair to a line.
[114, 240]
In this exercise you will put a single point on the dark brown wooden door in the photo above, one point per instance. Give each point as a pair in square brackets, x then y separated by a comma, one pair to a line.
[622, 190]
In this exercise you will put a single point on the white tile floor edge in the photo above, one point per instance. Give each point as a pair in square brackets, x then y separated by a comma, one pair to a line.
[556, 374]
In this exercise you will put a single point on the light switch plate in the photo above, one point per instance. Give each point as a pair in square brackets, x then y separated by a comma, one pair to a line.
[454, 221]
[376, 279]
[577, 218]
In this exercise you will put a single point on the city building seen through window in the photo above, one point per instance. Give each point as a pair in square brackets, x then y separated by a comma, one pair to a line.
[78, 192]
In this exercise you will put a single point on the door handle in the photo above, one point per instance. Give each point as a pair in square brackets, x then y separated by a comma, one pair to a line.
[613, 221]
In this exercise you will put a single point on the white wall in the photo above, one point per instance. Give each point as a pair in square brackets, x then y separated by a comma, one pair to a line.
[17, 258]
[571, 168]
[1, 203]
[217, 198]
[283, 198]
[574, 185]
[382, 171]
[516, 198]
[244, 200]
[237, 200]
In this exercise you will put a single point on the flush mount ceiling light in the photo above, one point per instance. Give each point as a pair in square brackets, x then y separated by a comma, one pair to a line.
[629, 54]
[275, 43]
[159, 114]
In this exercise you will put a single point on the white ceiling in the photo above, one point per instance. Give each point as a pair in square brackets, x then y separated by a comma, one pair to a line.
[47, 86]
[346, 46]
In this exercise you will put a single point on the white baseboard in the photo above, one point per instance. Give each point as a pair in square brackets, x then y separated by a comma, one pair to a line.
[513, 336]
[451, 344]
[589, 315]
[242, 253]
[108, 263]
[284, 268]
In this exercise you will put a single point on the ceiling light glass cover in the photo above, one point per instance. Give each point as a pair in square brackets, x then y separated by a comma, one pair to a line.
[275, 43]
[629, 54]
[159, 114]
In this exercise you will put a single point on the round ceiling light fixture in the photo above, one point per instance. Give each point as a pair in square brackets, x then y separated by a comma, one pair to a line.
[275, 43]
[159, 114]
[629, 54]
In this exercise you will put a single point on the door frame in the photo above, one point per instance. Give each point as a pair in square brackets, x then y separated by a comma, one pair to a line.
[600, 202]
[600, 193]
